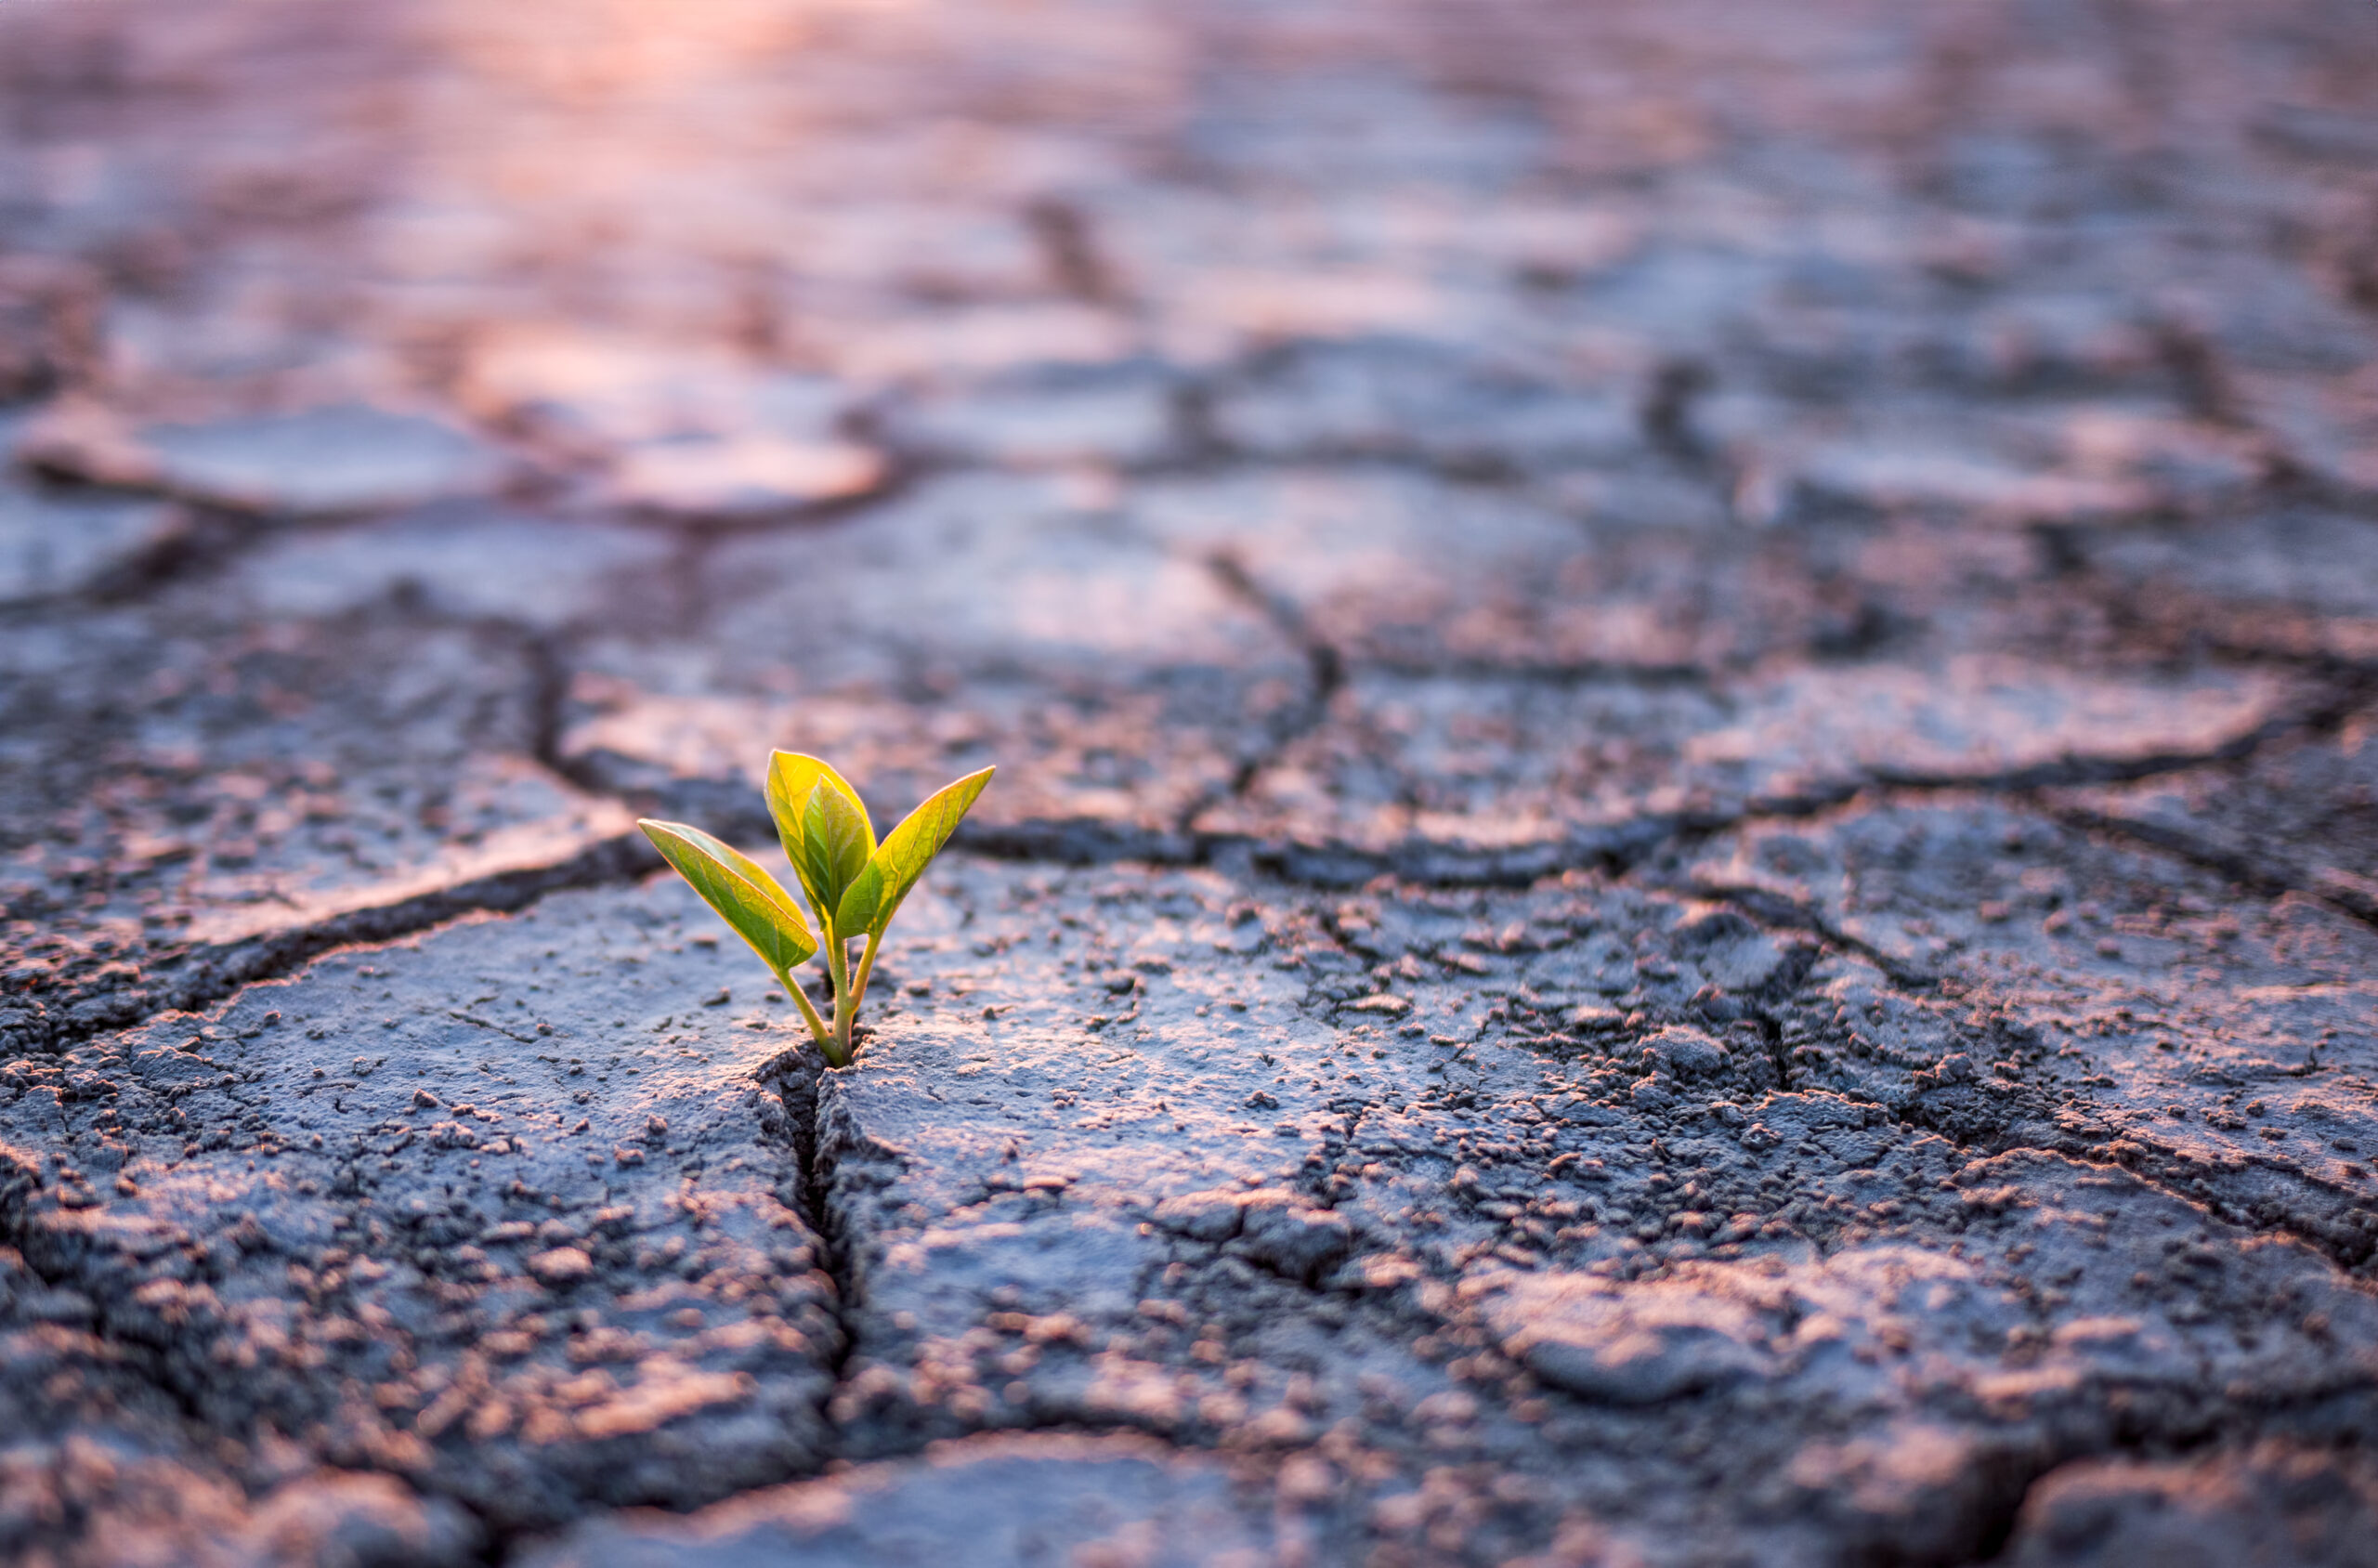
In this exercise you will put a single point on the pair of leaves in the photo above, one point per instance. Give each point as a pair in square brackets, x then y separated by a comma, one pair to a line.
[854, 884]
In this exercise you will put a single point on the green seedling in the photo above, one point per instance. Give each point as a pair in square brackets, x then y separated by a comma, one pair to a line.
[854, 884]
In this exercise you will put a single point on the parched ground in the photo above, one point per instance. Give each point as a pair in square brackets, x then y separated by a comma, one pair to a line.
[1685, 865]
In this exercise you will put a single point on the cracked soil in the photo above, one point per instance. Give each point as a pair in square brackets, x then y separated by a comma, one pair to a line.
[1685, 865]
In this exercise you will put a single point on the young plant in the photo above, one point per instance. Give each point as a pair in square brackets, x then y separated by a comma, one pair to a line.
[854, 884]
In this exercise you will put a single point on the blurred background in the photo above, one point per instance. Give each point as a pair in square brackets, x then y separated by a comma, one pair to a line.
[1453, 437]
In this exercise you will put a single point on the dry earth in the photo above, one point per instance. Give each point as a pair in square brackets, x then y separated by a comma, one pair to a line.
[1685, 870]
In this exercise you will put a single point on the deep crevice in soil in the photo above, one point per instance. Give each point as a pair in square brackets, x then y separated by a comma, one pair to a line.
[798, 1080]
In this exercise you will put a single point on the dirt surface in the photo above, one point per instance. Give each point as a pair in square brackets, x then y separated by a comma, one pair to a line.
[1685, 864]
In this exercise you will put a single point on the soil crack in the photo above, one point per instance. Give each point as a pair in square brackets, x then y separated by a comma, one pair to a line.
[1325, 677]
[799, 1080]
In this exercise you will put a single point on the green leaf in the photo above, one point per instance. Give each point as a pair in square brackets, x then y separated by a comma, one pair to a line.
[792, 777]
[836, 844]
[875, 896]
[744, 894]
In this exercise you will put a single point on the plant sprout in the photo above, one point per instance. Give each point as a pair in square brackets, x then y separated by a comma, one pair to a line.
[855, 885]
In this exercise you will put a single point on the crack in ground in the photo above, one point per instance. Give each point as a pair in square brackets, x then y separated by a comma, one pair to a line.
[2250, 874]
[214, 972]
[1548, 672]
[549, 681]
[221, 970]
[2234, 1417]
[1325, 677]
[799, 1080]
[1620, 849]
[1774, 910]
[204, 539]
[2199, 1182]
[2167, 1171]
